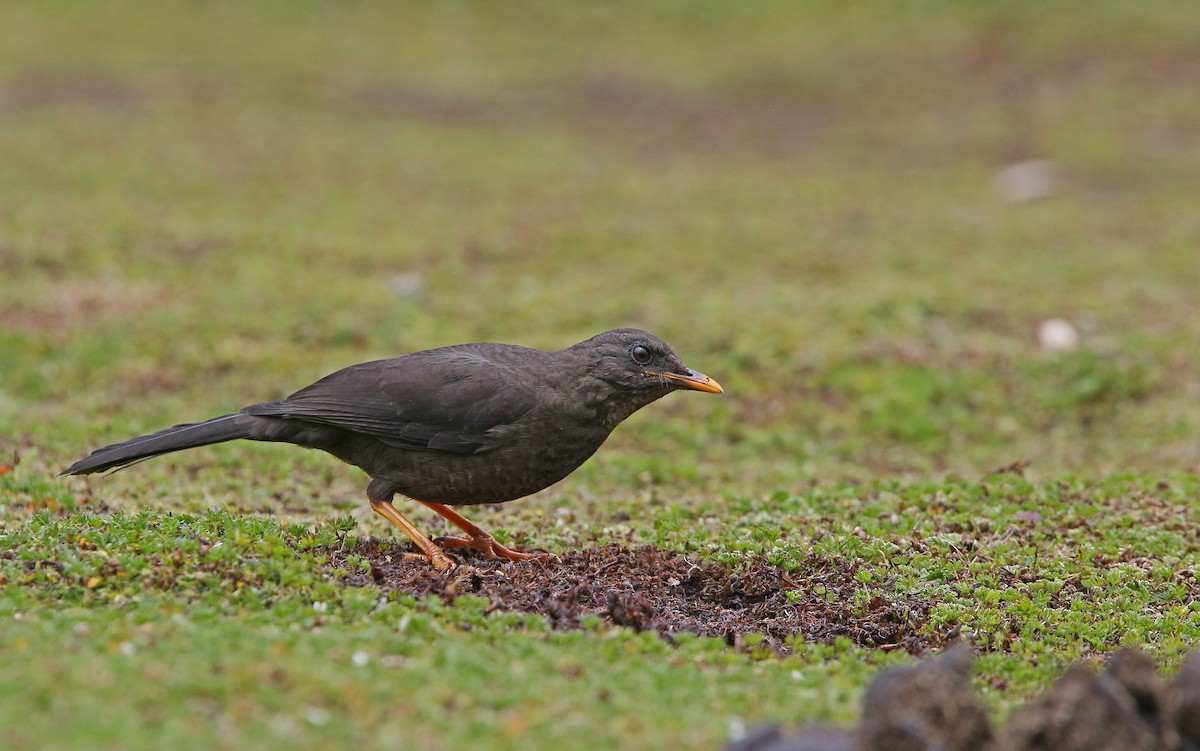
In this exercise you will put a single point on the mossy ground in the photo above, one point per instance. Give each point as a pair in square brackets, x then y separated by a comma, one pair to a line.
[209, 205]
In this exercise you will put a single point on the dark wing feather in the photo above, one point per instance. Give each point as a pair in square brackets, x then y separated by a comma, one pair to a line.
[443, 400]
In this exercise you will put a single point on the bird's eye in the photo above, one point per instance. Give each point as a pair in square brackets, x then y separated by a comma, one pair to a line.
[640, 354]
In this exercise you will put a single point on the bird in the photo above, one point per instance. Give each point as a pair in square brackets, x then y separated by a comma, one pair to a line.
[462, 425]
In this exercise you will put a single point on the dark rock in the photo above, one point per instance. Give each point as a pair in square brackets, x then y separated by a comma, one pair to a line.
[929, 707]
[1152, 699]
[1186, 690]
[926, 707]
[1083, 711]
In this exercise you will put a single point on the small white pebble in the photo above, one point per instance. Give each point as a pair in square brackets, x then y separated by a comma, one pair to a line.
[736, 728]
[1030, 180]
[360, 658]
[406, 284]
[1057, 335]
[321, 607]
[316, 716]
[797, 675]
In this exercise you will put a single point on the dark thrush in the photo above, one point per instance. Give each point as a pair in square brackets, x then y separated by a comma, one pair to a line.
[454, 426]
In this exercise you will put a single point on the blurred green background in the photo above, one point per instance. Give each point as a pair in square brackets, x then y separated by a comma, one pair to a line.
[210, 204]
[204, 205]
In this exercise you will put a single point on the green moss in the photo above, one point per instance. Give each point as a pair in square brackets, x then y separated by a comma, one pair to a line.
[204, 206]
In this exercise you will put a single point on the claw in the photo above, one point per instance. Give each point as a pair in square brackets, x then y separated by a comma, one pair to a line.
[487, 545]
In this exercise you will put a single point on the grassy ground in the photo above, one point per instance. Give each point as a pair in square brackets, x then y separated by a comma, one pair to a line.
[209, 205]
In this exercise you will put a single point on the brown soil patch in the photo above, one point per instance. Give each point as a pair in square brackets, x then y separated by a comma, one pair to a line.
[650, 588]
[767, 115]
[38, 90]
[70, 303]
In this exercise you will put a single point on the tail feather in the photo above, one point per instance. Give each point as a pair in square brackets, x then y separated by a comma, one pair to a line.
[119, 455]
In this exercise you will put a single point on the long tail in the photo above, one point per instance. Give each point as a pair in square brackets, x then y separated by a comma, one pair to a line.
[118, 455]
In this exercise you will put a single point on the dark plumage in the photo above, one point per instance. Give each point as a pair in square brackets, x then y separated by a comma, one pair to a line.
[473, 423]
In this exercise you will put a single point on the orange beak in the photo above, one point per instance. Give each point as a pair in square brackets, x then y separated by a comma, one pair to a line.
[694, 381]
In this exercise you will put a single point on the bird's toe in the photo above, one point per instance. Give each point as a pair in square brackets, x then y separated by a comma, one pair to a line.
[488, 545]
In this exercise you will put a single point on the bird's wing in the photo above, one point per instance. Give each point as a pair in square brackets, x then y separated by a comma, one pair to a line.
[443, 400]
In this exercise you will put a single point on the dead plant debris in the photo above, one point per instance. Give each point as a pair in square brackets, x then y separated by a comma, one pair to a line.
[649, 588]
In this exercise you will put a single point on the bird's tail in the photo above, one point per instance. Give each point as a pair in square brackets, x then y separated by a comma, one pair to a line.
[118, 455]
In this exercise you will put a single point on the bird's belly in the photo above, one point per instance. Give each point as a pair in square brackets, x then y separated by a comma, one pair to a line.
[504, 474]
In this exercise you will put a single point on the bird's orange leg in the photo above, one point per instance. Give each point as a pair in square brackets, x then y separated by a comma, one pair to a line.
[436, 555]
[477, 539]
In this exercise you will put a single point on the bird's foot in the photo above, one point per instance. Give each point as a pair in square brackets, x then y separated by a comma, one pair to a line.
[430, 552]
[487, 545]
[440, 562]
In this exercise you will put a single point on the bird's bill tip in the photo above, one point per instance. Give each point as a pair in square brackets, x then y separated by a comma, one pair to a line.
[695, 381]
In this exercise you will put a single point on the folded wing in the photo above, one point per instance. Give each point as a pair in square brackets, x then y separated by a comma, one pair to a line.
[442, 400]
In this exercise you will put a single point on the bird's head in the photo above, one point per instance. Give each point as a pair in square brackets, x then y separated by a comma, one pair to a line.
[638, 368]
